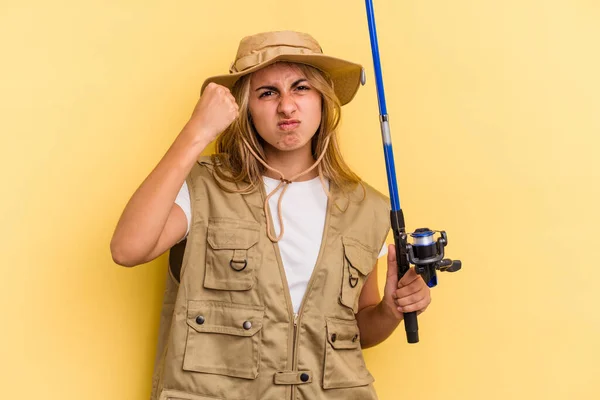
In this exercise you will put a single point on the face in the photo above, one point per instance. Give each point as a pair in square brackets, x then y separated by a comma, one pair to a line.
[285, 107]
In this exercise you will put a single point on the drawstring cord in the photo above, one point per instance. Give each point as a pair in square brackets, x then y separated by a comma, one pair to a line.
[285, 183]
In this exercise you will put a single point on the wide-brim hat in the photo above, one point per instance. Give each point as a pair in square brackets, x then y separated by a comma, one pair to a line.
[263, 49]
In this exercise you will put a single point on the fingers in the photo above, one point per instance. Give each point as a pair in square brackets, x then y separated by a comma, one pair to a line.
[222, 91]
[409, 277]
[223, 97]
[419, 306]
[215, 86]
[226, 94]
[414, 297]
[411, 293]
[233, 106]
[403, 299]
[214, 112]
[414, 287]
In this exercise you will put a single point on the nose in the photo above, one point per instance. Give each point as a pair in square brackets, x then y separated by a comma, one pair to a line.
[287, 106]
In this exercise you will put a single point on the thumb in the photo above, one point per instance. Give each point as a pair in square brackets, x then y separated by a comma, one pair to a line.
[392, 270]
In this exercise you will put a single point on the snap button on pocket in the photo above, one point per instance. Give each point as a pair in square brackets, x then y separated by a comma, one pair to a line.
[199, 319]
[304, 377]
[333, 337]
[247, 325]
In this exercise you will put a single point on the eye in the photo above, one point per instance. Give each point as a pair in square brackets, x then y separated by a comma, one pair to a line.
[266, 93]
[303, 87]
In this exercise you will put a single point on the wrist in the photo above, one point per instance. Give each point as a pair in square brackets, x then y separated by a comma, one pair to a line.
[196, 131]
[194, 137]
[389, 311]
[186, 149]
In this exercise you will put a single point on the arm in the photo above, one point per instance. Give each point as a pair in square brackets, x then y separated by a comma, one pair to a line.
[151, 222]
[377, 318]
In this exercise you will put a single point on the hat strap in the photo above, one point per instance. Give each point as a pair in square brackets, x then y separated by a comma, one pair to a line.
[285, 183]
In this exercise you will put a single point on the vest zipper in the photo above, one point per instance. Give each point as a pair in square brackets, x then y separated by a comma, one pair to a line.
[298, 316]
[294, 345]
[287, 295]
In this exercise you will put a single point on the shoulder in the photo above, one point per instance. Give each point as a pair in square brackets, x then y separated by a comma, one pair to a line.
[370, 197]
[205, 160]
[375, 194]
[202, 170]
[206, 165]
[365, 200]
[212, 172]
[211, 161]
[368, 217]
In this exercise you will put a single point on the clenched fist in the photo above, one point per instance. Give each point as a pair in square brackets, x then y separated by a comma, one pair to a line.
[214, 112]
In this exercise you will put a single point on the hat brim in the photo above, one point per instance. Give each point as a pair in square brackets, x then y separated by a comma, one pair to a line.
[344, 74]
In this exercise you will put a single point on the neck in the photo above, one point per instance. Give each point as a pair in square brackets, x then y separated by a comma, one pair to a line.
[291, 163]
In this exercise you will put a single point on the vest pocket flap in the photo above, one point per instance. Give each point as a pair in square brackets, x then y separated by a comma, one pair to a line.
[342, 334]
[224, 318]
[359, 256]
[232, 234]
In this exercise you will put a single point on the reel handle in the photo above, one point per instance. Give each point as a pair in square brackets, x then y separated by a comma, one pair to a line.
[448, 265]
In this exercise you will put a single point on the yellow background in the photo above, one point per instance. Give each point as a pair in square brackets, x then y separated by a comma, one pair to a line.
[495, 117]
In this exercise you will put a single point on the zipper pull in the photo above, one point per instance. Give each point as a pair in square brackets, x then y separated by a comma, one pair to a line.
[295, 319]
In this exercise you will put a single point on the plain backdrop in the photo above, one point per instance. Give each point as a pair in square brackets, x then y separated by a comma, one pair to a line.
[495, 118]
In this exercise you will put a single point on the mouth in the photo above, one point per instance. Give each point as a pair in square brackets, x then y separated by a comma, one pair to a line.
[288, 124]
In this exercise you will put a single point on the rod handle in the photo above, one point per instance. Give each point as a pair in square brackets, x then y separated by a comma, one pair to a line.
[398, 228]
[412, 327]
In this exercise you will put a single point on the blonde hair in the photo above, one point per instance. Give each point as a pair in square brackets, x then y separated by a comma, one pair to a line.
[240, 166]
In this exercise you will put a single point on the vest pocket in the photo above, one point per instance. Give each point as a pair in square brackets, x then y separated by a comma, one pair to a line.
[232, 257]
[223, 338]
[358, 263]
[344, 363]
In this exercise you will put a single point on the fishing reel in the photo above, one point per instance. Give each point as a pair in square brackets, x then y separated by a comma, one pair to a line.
[427, 254]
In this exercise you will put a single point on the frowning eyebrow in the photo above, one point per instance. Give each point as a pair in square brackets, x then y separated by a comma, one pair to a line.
[299, 81]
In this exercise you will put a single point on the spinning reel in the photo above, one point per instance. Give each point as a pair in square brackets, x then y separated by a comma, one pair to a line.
[427, 255]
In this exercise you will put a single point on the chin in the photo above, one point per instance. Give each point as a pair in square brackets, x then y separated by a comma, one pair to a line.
[289, 147]
[291, 142]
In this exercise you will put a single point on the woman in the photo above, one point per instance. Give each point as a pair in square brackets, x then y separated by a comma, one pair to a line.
[278, 288]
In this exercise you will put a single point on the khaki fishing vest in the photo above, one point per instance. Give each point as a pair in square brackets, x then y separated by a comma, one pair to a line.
[228, 330]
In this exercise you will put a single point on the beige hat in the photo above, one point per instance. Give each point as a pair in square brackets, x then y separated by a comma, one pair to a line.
[258, 51]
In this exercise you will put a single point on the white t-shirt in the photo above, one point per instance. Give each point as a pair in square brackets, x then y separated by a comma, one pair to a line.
[303, 210]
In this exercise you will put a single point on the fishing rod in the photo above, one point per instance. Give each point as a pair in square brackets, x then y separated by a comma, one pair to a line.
[425, 253]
